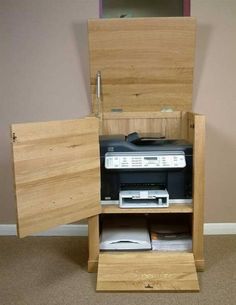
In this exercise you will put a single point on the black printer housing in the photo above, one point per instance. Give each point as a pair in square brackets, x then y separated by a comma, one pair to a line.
[177, 181]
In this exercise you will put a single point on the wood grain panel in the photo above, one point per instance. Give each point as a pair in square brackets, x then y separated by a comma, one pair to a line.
[173, 208]
[147, 271]
[93, 243]
[168, 124]
[198, 124]
[57, 173]
[146, 64]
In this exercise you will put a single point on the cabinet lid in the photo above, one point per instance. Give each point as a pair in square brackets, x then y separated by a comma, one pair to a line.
[57, 173]
[147, 271]
[146, 64]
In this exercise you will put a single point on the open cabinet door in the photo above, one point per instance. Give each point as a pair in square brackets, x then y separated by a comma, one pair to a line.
[57, 173]
[147, 271]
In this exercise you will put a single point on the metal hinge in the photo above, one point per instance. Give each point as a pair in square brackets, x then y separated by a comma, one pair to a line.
[14, 137]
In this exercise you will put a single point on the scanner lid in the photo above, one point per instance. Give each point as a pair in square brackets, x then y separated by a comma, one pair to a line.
[146, 64]
[136, 142]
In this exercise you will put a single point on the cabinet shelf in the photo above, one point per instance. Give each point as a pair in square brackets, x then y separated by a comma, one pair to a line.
[173, 208]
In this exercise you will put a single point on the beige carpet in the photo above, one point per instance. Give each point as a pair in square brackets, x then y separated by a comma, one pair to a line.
[52, 270]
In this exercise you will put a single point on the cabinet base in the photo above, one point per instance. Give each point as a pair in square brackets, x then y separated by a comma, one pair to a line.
[92, 266]
[200, 264]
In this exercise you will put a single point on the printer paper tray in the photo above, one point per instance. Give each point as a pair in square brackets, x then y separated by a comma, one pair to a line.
[146, 271]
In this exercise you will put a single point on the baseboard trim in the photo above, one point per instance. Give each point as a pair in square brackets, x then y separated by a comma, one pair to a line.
[219, 228]
[64, 230]
[82, 230]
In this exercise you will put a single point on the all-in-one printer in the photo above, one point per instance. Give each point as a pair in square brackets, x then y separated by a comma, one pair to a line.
[142, 172]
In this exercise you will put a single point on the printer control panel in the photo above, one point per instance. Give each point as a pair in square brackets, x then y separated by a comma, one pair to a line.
[150, 160]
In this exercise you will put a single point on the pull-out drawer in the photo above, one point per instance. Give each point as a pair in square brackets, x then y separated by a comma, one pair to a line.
[146, 271]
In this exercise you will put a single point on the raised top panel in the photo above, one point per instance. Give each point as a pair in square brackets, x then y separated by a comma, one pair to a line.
[146, 64]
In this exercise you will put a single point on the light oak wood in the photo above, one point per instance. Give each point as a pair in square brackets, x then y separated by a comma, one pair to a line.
[200, 264]
[198, 184]
[168, 124]
[93, 242]
[142, 115]
[93, 265]
[146, 64]
[147, 271]
[173, 208]
[57, 173]
[184, 125]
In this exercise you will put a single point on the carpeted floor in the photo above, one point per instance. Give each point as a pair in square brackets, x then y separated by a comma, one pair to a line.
[53, 270]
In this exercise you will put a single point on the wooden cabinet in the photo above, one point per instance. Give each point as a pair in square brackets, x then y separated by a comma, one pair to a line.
[191, 127]
[146, 68]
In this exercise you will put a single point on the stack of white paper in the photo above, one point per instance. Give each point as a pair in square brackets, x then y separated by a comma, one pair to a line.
[171, 238]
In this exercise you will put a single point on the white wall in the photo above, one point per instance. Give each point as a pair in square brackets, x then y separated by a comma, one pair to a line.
[215, 96]
[44, 71]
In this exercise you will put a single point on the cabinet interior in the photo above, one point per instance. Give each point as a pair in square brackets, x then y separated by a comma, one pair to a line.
[165, 221]
[175, 124]
[179, 125]
[170, 125]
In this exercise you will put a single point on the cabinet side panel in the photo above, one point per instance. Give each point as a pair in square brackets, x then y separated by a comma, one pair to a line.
[93, 237]
[198, 126]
